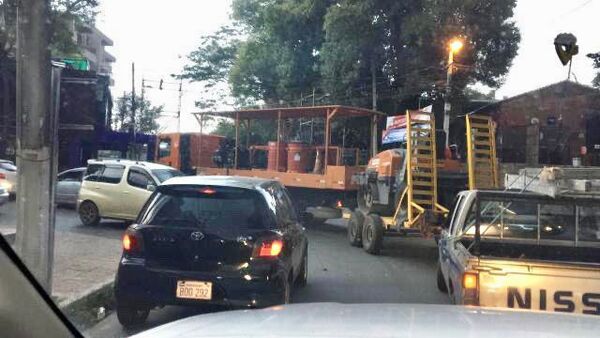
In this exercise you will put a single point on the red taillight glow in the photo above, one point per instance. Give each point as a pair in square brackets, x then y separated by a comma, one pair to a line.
[2, 176]
[128, 241]
[271, 248]
[208, 191]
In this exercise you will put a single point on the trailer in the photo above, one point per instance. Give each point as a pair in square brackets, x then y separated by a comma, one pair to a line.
[317, 171]
[399, 192]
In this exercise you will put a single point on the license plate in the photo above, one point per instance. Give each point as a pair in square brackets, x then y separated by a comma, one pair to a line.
[194, 290]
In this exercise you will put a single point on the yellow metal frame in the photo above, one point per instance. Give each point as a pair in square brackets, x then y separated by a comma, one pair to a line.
[481, 152]
[421, 170]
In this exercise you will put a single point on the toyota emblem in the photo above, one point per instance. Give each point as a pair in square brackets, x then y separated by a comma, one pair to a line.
[196, 235]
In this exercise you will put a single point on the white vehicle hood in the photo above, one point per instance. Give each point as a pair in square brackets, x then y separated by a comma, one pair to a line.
[379, 320]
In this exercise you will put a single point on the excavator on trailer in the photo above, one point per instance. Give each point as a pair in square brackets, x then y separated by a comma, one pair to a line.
[399, 192]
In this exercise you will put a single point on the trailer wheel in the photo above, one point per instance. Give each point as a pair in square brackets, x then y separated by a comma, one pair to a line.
[355, 227]
[441, 283]
[372, 234]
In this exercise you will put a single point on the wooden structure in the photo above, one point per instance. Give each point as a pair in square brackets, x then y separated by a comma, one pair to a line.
[333, 174]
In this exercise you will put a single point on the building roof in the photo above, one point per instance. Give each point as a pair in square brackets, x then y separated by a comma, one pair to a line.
[224, 181]
[294, 112]
[564, 88]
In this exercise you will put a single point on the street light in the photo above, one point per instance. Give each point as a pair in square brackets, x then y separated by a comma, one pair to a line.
[455, 46]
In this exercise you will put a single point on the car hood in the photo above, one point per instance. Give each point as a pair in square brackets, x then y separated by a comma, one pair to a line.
[379, 320]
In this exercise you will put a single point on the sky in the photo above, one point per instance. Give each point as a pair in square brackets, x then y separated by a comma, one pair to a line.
[158, 35]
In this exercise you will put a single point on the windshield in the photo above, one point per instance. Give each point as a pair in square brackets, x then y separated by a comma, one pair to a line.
[249, 154]
[165, 174]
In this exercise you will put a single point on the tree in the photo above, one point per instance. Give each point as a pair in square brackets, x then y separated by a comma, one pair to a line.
[288, 47]
[63, 15]
[407, 42]
[145, 115]
[596, 61]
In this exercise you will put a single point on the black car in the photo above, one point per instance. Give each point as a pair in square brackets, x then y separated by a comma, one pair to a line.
[229, 241]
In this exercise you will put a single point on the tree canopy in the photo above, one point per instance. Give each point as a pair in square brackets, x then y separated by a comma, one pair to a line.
[596, 61]
[280, 51]
[145, 119]
[63, 15]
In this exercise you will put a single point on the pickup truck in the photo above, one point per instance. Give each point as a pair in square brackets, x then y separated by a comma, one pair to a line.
[522, 250]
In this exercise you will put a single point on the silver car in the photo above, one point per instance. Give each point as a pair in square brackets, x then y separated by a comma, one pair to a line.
[3, 196]
[67, 186]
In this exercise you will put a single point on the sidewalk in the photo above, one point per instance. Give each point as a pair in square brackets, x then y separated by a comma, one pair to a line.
[85, 258]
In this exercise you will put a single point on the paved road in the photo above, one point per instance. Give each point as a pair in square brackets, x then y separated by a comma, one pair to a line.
[404, 273]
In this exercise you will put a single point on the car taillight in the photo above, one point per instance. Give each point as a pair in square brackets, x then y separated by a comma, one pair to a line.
[470, 285]
[2, 176]
[269, 248]
[132, 242]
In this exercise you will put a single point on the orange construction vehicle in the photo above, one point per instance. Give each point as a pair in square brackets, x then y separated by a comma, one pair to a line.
[317, 175]
[187, 151]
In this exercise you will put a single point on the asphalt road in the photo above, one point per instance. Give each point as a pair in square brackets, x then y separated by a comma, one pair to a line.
[404, 273]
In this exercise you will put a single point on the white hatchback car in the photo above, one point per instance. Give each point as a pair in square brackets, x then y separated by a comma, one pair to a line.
[118, 189]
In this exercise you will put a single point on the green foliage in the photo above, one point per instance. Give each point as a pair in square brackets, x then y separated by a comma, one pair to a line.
[261, 132]
[596, 61]
[145, 115]
[283, 49]
[63, 14]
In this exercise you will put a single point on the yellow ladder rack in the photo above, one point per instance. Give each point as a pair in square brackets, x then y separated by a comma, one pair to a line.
[481, 152]
[421, 168]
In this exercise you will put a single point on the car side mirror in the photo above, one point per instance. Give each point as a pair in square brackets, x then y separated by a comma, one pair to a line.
[150, 187]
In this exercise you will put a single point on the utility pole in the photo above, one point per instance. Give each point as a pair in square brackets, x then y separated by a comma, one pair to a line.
[36, 132]
[133, 103]
[179, 106]
[455, 46]
[312, 121]
[143, 86]
[374, 104]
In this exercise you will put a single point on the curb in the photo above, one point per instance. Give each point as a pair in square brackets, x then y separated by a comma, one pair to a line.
[90, 306]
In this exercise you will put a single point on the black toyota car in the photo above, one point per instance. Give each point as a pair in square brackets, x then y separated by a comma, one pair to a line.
[211, 240]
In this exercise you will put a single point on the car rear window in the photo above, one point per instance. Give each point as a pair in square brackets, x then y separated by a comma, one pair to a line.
[209, 208]
[165, 174]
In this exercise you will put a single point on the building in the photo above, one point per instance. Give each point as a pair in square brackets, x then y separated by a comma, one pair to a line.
[553, 125]
[92, 43]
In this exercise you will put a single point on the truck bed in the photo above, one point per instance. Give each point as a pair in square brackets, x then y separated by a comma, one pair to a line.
[538, 252]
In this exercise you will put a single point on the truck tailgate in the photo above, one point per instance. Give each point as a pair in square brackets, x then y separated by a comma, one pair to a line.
[559, 287]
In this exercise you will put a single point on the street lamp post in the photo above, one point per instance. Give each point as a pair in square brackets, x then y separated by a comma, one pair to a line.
[455, 46]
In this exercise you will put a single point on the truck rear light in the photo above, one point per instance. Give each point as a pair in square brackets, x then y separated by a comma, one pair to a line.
[470, 283]
[269, 248]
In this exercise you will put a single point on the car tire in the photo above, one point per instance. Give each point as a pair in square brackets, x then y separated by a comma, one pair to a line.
[441, 283]
[355, 226]
[286, 291]
[130, 316]
[302, 278]
[89, 214]
[372, 234]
